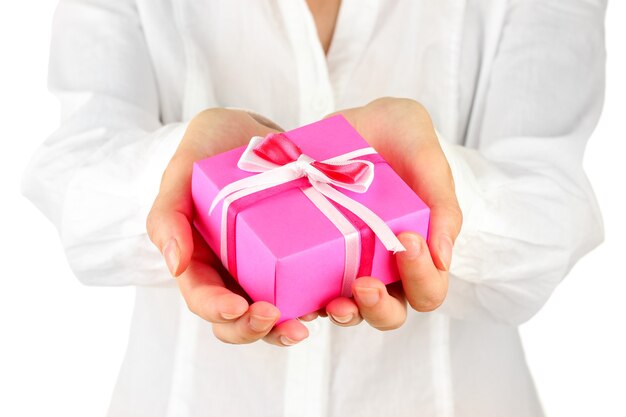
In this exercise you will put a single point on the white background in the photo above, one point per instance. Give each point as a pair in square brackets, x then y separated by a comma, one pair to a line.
[61, 344]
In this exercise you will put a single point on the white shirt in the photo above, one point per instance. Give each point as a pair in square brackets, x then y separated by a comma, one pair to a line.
[514, 87]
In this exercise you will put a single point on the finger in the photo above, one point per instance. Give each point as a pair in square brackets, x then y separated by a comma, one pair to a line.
[432, 180]
[382, 310]
[169, 221]
[419, 160]
[255, 324]
[205, 294]
[309, 317]
[265, 121]
[444, 227]
[424, 285]
[287, 333]
[344, 312]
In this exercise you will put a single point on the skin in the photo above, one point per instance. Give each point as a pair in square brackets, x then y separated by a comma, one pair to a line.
[402, 132]
[325, 14]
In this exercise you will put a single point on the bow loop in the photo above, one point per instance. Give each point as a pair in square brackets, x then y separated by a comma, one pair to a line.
[348, 173]
[278, 148]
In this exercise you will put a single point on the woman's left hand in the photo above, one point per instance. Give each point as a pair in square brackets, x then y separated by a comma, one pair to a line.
[402, 132]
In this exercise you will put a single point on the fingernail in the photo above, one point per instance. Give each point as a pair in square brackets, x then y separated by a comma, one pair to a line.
[341, 319]
[413, 246]
[445, 251]
[367, 296]
[261, 323]
[287, 341]
[229, 316]
[171, 253]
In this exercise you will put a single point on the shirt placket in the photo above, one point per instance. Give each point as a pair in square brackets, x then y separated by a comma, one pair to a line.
[315, 89]
[307, 372]
[353, 31]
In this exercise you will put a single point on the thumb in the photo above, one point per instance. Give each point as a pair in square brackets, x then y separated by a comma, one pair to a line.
[169, 220]
[171, 232]
[424, 285]
[431, 179]
[445, 224]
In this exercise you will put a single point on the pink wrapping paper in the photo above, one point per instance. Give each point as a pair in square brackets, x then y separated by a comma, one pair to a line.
[289, 253]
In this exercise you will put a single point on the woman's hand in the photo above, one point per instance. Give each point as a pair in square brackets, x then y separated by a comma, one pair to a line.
[402, 132]
[206, 287]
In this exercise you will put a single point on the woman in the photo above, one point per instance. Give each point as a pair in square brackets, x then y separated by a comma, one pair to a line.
[514, 89]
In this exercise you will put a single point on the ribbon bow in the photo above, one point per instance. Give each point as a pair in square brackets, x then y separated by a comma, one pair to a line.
[278, 149]
[278, 160]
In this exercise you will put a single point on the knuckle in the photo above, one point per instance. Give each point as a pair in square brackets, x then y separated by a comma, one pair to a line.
[219, 112]
[382, 102]
[414, 106]
[205, 114]
[192, 305]
[459, 218]
[456, 215]
[448, 171]
[393, 105]
[414, 109]
[151, 225]
[452, 216]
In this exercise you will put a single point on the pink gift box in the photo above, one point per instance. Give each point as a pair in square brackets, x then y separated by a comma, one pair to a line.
[287, 251]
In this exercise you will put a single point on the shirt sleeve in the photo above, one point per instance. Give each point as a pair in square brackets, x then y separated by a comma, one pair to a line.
[529, 211]
[95, 178]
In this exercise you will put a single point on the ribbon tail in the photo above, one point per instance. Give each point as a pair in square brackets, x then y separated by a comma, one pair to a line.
[351, 236]
[378, 226]
[228, 200]
[351, 155]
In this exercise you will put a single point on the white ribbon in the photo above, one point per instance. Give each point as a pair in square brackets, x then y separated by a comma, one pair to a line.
[271, 175]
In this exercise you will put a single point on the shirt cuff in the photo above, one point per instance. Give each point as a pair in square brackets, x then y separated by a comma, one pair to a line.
[461, 159]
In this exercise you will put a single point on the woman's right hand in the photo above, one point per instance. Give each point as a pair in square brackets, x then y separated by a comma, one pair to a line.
[207, 288]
